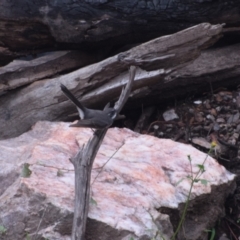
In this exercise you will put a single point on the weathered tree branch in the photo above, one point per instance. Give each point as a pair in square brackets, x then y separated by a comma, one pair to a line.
[83, 162]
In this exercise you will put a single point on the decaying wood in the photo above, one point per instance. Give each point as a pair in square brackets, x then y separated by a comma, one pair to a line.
[7, 55]
[83, 162]
[102, 82]
[24, 71]
[218, 67]
[40, 24]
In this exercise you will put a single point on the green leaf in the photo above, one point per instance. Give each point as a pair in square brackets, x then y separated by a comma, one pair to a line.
[201, 167]
[204, 182]
[213, 233]
[2, 230]
[93, 201]
[60, 173]
[26, 172]
[28, 237]
[131, 238]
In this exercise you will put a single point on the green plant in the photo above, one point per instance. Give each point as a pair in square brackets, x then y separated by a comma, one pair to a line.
[158, 233]
[28, 237]
[2, 230]
[213, 233]
[193, 179]
[94, 202]
[26, 172]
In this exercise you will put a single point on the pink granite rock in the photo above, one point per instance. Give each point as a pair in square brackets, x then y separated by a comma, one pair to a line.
[134, 195]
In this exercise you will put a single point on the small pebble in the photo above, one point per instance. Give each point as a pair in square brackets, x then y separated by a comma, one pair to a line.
[232, 141]
[230, 119]
[225, 93]
[160, 134]
[197, 102]
[207, 128]
[207, 105]
[236, 117]
[218, 98]
[199, 117]
[211, 117]
[216, 127]
[236, 135]
[220, 120]
[170, 115]
[213, 112]
[197, 128]
[238, 127]
[224, 237]
[227, 97]
[226, 108]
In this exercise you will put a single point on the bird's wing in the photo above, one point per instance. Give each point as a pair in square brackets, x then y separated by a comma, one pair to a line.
[92, 123]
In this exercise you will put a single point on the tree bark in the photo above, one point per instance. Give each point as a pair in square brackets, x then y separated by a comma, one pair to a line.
[26, 71]
[33, 25]
[214, 68]
[102, 82]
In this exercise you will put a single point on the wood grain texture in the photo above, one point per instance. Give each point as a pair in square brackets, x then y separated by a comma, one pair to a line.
[102, 82]
[36, 25]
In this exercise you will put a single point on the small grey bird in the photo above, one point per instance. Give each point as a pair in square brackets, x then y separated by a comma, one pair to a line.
[89, 117]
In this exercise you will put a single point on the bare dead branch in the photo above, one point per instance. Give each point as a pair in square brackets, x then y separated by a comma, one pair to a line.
[83, 162]
[126, 90]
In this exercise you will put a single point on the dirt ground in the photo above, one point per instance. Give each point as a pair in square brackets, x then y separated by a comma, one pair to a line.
[213, 116]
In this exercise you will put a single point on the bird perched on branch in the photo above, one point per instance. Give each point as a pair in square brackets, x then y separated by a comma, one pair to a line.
[89, 117]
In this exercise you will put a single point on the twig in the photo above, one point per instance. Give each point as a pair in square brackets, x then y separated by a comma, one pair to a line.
[232, 232]
[106, 163]
[39, 224]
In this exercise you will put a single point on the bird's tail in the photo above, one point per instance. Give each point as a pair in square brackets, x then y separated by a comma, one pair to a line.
[71, 97]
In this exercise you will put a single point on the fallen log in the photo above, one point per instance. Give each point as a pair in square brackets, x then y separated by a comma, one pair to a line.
[214, 68]
[102, 82]
[32, 26]
[24, 71]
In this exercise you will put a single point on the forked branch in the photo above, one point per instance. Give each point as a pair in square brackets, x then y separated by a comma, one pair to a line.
[83, 162]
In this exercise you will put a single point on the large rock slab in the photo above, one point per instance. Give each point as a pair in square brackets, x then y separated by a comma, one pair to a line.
[135, 185]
